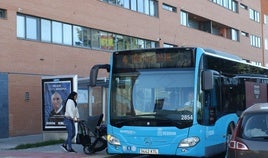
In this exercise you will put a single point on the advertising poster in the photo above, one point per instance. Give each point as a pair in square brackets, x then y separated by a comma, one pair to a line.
[55, 94]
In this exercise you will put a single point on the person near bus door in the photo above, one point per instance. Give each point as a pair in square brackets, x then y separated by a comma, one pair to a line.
[71, 115]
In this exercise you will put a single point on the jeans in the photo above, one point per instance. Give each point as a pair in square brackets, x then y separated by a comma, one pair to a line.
[69, 123]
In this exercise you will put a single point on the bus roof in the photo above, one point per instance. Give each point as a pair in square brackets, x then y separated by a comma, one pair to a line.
[223, 54]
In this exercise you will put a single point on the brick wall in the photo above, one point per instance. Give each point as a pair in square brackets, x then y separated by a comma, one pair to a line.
[25, 116]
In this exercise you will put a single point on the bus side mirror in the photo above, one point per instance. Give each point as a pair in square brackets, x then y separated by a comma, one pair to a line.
[94, 73]
[207, 80]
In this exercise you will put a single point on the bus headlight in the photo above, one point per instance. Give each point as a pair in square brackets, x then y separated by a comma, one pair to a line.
[189, 142]
[113, 140]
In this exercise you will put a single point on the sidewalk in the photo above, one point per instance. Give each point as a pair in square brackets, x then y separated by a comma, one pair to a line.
[6, 144]
[11, 142]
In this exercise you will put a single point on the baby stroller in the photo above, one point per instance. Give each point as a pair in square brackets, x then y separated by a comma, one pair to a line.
[92, 134]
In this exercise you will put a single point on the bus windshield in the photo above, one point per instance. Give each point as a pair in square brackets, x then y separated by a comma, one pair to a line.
[150, 98]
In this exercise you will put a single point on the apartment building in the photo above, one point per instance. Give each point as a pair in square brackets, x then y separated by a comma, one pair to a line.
[47, 38]
[264, 24]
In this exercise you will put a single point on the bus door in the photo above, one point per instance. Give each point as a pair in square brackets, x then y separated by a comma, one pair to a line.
[212, 102]
[212, 97]
[211, 109]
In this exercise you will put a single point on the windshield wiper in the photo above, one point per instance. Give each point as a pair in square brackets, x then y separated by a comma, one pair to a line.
[152, 121]
[178, 123]
[151, 114]
[124, 121]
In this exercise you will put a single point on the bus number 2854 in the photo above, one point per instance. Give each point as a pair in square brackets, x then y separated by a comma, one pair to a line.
[186, 117]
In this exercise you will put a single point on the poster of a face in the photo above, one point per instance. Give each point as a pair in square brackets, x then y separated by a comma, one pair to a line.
[55, 94]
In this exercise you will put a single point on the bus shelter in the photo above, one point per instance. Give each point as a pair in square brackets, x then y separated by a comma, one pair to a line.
[92, 100]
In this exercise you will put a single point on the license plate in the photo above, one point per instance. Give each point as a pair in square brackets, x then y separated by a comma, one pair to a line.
[149, 151]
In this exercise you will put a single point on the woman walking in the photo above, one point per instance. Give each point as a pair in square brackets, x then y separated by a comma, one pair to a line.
[71, 115]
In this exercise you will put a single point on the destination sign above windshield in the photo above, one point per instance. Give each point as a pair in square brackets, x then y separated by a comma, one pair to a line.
[145, 59]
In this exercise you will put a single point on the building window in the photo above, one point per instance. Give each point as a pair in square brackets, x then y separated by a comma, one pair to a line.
[200, 23]
[254, 15]
[150, 44]
[119, 42]
[45, 30]
[167, 45]
[127, 44]
[184, 18]
[133, 5]
[265, 20]
[95, 39]
[67, 34]
[125, 4]
[111, 1]
[255, 41]
[243, 33]
[56, 32]
[20, 26]
[243, 6]
[141, 44]
[86, 37]
[3, 13]
[120, 2]
[234, 34]
[256, 63]
[153, 5]
[140, 6]
[77, 41]
[106, 40]
[229, 4]
[81, 36]
[169, 8]
[134, 43]
[148, 7]
[31, 28]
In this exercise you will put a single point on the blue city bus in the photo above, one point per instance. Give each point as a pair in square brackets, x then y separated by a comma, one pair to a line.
[177, 101]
